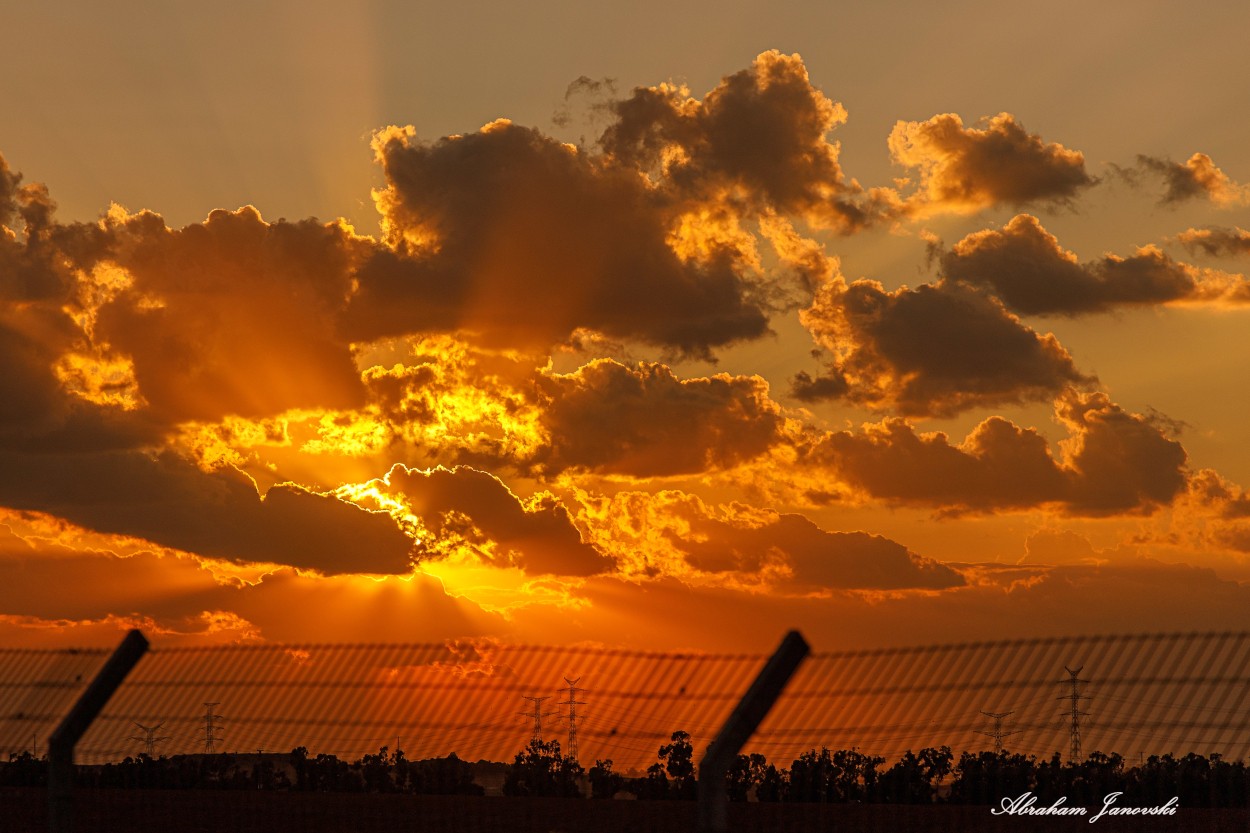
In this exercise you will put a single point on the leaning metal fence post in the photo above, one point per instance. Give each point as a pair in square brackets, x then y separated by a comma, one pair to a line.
[62, 741]
[742, 723]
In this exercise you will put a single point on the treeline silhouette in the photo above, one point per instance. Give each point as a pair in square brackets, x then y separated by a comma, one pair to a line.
[384, 772]
[929, 776]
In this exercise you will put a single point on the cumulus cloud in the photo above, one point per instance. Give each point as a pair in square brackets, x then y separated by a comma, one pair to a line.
[1195, 178]
[234, 315]
[759, 140]
[1112, 462]
[1025, 266]
[168, 500]
[1060, 546]
[674, 534]
[522, 241]
[9, 180]
[485, 409]
[1216, 241]
[1119, 461]
[966, 169]
[645, 422]
[54, 392]
[809, 557]
[463, 507]
[933, 350]
[1213, 515]
[997, 466]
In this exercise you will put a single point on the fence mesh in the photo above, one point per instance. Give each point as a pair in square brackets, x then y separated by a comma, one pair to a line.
[1138, 695]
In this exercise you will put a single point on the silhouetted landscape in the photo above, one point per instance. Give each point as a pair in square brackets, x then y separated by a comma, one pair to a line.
[544, 789]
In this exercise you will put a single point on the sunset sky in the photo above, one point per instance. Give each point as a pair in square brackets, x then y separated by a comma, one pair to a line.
[648, 326]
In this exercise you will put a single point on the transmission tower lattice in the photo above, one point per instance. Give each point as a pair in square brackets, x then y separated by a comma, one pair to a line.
[573, 703]
[997, 733]
[537, 715]
[1074, 750]
[149, 739]
[210, 728]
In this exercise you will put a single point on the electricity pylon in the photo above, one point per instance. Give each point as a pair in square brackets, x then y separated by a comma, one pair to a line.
[149, 738]
[997, 733]
[537, 715]
[210, 728]
[1074, 749]
[572, 703]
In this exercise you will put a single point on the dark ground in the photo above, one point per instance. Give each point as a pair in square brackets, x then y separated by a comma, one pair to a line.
[228, 811]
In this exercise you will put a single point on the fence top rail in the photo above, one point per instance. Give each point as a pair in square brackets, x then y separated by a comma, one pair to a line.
[454, 645]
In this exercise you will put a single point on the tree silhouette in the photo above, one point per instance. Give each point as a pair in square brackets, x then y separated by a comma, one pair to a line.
[604, 783]
[678, 760]
[914, 778]
[540, 769]
[988, 777]
[745, 772]
[844, 775]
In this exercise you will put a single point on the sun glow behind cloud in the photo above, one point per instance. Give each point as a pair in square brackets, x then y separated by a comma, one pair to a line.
[291, 414]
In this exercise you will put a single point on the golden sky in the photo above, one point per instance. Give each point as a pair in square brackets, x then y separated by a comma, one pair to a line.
[381, 322]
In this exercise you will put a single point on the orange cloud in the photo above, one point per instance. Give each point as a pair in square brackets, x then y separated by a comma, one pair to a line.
[1113, 462]
[1060, 546]
[645, 422]
[1140, 597]
[1216, 241]
[1024, 266]
[466, 508]
[233, 315]
[170, 501]
[933, 350]
[68, 592]
[963, 170]
[466, 405]
[521, 241]
[1213, 515]
[1196, 177]
[758, 141]
[998, 466]
[675, 534]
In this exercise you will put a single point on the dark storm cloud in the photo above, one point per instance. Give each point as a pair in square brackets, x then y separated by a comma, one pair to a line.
[471, 507]
[965, 169]
[1024, 265]
[929, 351]
[1113, 462]
[169, 501]
[645, 422]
